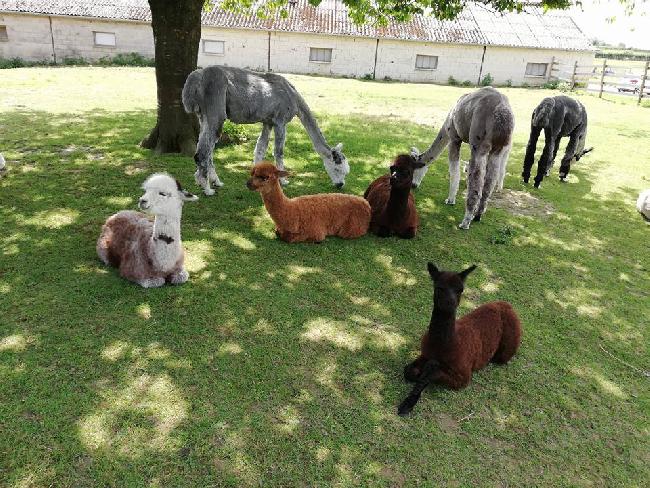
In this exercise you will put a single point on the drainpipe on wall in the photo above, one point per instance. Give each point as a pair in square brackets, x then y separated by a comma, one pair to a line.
[480, 71]
[268, 54]
[374, 68]
[52, 37]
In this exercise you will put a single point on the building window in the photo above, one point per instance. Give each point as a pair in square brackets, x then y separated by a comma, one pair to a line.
[104, 39]
[426, 62]
[213, 47]
[536, 69]
[320, 55]
[3, 33]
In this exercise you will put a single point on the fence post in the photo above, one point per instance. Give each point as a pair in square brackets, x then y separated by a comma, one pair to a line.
[573, 75]
[645, 78]
[550, 69]
[602, 78]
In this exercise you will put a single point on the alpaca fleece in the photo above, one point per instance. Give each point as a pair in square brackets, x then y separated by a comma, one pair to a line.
[309, 218]
[490, 333]
[452, 349]
[122, 241]
[391, 201]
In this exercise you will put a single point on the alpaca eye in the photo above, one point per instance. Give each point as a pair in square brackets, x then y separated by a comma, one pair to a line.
[163, 194]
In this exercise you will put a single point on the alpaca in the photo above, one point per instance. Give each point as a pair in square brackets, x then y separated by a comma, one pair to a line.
[147, 253]
[559, 117]
[217, 93]
[309, 218]
[485, 121]
[451, 349]
[643, 204]
[3, 164]
[391, 200]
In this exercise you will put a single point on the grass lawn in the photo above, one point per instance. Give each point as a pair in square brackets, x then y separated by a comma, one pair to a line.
[281, 365]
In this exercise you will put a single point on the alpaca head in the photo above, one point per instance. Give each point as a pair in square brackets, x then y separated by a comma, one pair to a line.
[164, 195]
[401, 171]
[336, 165]
[264, 176]
[447, 286]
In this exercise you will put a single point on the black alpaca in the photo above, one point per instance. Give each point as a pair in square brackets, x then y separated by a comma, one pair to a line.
[559, 117]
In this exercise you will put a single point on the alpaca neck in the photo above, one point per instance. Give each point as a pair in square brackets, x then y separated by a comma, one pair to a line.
[313, 131]
[275, 201]
[166, 241]
[397, 203]
[443, 322]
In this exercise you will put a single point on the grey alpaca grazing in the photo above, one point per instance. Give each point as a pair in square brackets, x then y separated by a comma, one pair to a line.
[217, 93]
[559, 117]
[484, 120]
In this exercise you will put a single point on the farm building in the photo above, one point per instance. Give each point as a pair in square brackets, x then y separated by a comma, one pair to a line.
[517, 48]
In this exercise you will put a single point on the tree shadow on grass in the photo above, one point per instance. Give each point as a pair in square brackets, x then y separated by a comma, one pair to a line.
[283, 363]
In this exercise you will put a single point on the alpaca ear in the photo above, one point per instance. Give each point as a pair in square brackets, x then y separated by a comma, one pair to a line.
[463, 274]
[433, 271]
[186, 196]
[283, 174]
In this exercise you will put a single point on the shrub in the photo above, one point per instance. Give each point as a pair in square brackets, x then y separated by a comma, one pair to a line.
[232, 134]
[367, 77]
[466, 83]
[74, 62]
[509, 83]
[551, 85]
[487, 80]
[525, 85]
[452, 81]
[564, 86]
[128, 59]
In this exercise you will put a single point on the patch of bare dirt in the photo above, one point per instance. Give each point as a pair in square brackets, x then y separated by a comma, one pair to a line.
[521, 203]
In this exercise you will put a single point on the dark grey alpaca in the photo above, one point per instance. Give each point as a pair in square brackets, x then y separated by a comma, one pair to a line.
[559, 117]
[484, 120]
[217, 93]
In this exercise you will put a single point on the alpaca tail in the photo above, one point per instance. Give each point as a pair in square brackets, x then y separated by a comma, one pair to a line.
[193, 91]
[542, 114]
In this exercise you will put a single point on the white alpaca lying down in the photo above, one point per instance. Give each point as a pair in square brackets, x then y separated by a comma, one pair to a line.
[148, 253]
[643, 204]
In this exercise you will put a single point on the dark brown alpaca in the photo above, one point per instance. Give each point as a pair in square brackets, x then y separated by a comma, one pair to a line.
[391, 200]
[451, 349]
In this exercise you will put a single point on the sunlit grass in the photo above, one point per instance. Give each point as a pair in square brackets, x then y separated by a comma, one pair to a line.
[280, 365]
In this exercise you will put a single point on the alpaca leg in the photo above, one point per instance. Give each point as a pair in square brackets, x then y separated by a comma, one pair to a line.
[475, 182]
[503, 164]
[454, 170]
[413, 370]
[529, 159]
[510, 337]
[179, 277]
[556, 147]
[151, 282]
[408, 233]
[570, 153]
[492, 175]
[545, 159]
[280, 132]
[211, 128]
[430, 155]
[426, 377]
[262, 144]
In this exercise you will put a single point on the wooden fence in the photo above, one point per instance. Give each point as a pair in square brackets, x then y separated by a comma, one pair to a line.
[631, 77]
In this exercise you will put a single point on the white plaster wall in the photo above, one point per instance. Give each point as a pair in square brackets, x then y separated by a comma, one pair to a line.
[29, 37]
[505, 63]
[242, 48]
[396, 60]
[350, 56]
[74, 38]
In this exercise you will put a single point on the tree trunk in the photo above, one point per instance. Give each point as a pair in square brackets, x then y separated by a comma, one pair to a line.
[176, 32]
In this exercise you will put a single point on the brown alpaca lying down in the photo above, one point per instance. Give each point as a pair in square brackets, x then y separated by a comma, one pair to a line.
[391, 200]
[309, 218]
[452, 349]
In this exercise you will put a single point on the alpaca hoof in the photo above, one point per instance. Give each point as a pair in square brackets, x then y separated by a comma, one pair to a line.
[406, 407]
[477, 218]
[464, 225]
[563, 177]
[525, 179]
[208, 191]
[450, 201]
[180, 278]
[538, 184]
